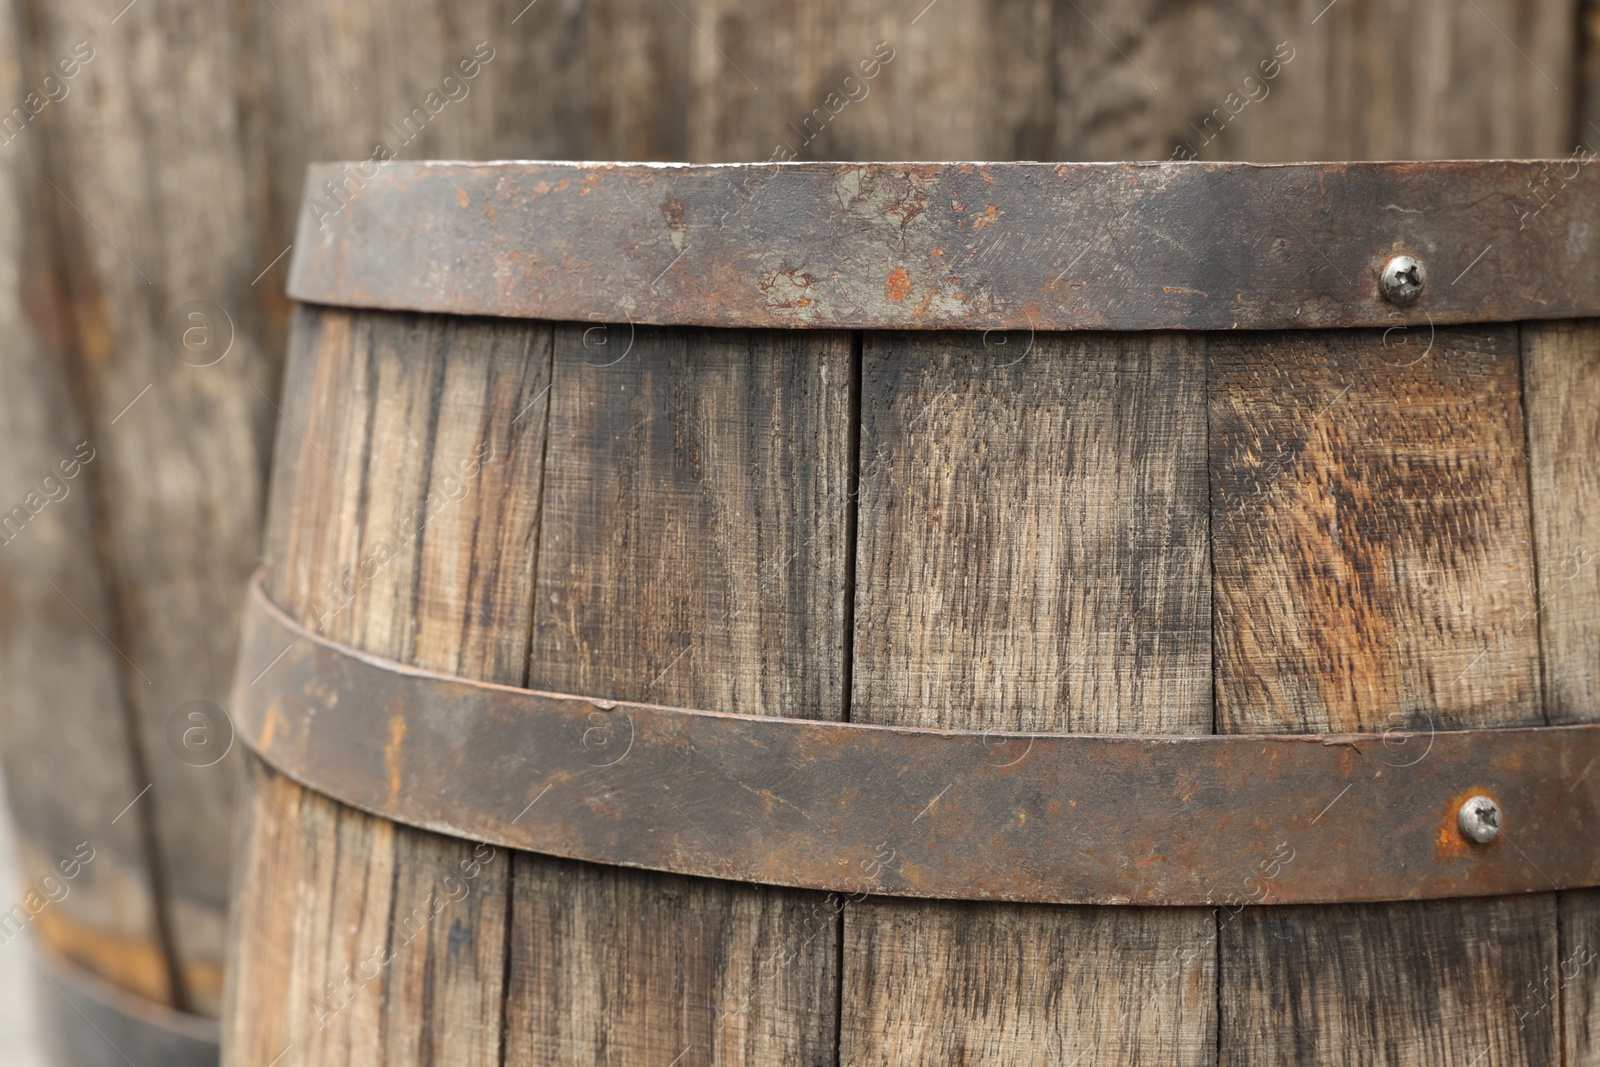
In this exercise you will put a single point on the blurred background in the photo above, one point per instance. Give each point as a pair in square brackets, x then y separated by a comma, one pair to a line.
[151, 162]
[20, 1041]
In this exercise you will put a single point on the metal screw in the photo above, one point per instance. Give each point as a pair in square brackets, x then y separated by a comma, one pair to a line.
[1403, 279]
[1480, 819]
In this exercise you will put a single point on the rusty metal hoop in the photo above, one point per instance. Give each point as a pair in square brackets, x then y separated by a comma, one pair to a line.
[858, 809]
[1016, 246]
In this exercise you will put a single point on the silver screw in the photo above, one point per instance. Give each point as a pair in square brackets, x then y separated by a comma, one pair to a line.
[1403, 279]
[1481, 819]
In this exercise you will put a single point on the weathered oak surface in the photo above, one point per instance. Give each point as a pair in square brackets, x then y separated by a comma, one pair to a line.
[181, 449]
[428, 502]
[1371, 538]
[1371, 525]
[70, 767]
[176, 162]
[1032, 556]
[694, 552]
[1561, 380]
[1164, 532]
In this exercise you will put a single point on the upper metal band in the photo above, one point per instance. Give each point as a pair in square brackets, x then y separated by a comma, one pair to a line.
[1017, 246]
[1058, 818]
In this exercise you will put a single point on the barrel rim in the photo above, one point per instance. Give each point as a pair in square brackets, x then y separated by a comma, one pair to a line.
[976, 246]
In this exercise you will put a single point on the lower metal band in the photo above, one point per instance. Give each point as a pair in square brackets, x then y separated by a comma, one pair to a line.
[1050, 818]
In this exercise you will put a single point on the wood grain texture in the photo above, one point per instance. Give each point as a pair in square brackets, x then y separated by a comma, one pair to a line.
[1572, 985]
[1561, 371]
[1137, 81]
[334, 872]
[611, 967]
[1033, 535]
[721, 455]
[182, 448]
[373, 79]
[235, 99]
[1408, 983]
[272, 861]
[1006, 984]
[70, 766]
[404, 521]
[941, 58]
[693, 553]
[1431, 80]
[1371, 532]
[709, 81]
[1032, 556]
[178, 160]
[1587, 120]
[1349, 81]
[1023, 79]
[760, 67]
[637, 77]
[1561, 395]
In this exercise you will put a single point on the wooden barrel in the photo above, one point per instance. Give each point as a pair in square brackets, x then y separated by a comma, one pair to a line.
[924, 614]
[120, 583]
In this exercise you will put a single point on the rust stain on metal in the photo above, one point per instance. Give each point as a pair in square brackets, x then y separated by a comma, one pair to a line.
[786, 290]
[1082, 819]
[672, 211]
[897, 284]
[394, 754]
[1298, 244]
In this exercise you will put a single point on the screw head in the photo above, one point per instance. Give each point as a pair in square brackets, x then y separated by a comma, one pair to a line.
[1403, 279]
[1481, 819]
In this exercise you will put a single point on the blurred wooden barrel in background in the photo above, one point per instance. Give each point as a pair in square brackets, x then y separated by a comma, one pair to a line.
[161, 178]
[822, 510]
